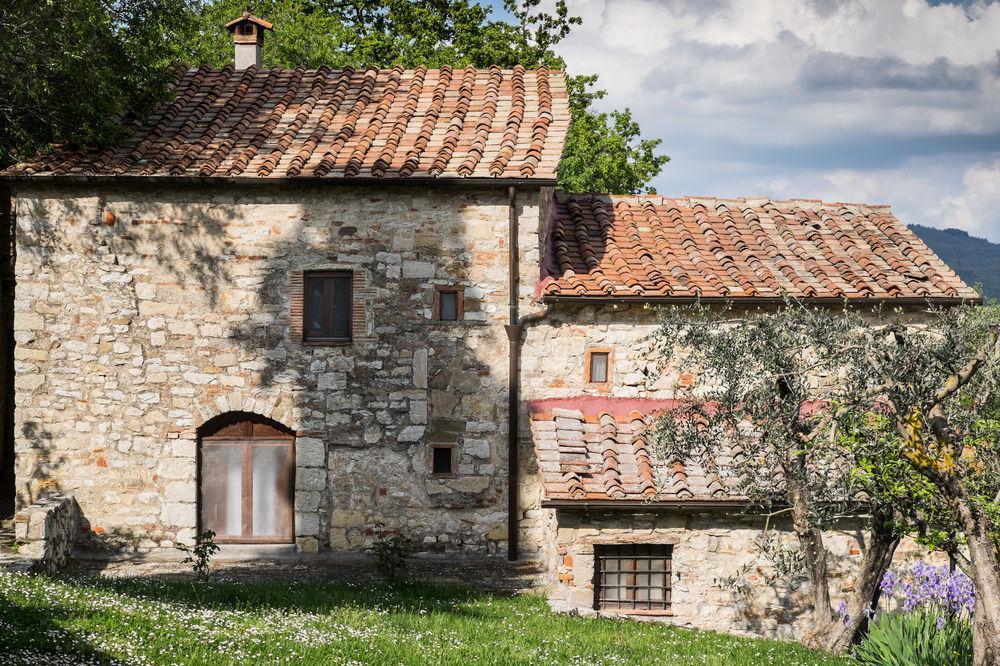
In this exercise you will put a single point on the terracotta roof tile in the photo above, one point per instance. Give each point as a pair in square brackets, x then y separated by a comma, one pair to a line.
[656, 247]
[389, 123]
[599, 450]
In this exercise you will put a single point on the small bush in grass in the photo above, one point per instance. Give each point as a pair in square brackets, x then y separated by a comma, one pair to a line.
[199, 556]
[392, 553]
[916, 638]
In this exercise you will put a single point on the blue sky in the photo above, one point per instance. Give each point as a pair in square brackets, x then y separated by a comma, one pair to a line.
[881, 101]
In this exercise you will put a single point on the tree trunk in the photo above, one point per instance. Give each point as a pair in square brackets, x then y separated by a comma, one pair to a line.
[814, 553]
[985, 574]
[877, 558]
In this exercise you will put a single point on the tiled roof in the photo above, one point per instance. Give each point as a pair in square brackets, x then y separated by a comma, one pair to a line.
[599, 449]
[650, 247]
[270, 123]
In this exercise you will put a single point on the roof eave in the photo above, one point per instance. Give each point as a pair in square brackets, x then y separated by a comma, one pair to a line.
[655, 505]
[129, 179]
[673, 505]
[767, 300]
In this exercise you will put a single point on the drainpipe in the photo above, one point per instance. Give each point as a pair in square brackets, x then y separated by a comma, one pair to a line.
[513, 397]
[515, 329]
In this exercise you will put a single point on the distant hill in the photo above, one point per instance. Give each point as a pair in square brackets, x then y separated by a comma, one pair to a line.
[976, 260]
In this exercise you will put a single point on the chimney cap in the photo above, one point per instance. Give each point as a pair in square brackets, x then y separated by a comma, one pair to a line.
[248, 18]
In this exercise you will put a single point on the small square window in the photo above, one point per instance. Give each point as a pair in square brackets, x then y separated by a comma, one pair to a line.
[442, 460]
[448, 304]
[327, 316]
[598, 366]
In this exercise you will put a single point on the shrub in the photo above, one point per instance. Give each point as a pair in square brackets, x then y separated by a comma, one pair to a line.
[199, 556]
[392, 553]
[927, 623]
[916, 638]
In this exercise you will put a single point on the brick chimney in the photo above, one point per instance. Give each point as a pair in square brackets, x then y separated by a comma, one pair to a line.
[248, 38]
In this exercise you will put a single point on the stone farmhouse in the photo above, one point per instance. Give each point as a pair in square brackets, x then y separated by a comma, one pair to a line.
[295, 304]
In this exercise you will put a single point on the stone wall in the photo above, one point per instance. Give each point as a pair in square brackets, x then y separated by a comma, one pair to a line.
[571, 330]
[708, 547]
[47, 530]
[143, 312]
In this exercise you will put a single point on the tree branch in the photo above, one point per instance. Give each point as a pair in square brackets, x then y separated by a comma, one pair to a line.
[962, 377]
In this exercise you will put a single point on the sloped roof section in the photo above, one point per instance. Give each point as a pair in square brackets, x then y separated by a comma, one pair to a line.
[388, 123]
[651, 247]
[600, 450]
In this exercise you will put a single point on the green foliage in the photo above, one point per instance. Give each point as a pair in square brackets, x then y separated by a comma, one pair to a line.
[945, 450]
[392, 553]
[70, 69]
[883, 472]
[914, 639]
[199, 556]
[605, 152]
[759, 395]
[73, 68]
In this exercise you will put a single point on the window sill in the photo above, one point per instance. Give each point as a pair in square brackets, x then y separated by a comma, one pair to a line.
[640, 612]
[329, 343]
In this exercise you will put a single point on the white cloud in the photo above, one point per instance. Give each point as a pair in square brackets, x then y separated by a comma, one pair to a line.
[884, 100]
[977, 208]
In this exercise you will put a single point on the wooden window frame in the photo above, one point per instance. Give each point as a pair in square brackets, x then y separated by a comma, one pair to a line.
[430, 461]
[459, 303]
[605, 385]
[628, 556]
[322, 340]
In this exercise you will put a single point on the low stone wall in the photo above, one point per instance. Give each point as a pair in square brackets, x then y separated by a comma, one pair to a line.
[47, 530]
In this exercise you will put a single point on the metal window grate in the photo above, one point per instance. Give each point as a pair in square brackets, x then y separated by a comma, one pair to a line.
[632, 577]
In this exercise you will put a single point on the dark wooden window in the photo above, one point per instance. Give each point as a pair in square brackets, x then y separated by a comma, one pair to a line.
[442, 460]
[598, 366]
[327, 306]
[246, 480]
[449, 304]
[632, 577]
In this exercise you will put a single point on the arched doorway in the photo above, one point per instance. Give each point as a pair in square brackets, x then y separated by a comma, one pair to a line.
[246, 479]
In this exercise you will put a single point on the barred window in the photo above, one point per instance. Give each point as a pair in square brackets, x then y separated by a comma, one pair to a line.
[632, 577]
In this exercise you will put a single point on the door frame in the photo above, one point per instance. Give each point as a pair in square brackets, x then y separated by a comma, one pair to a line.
[284, 437]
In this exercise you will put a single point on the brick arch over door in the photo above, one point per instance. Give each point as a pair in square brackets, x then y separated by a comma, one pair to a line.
[246, 479]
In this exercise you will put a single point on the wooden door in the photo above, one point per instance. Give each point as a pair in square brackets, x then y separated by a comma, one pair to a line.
[247, 480]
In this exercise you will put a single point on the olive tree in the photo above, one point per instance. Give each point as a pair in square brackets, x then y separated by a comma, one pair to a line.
[938, 386]
[763, 420]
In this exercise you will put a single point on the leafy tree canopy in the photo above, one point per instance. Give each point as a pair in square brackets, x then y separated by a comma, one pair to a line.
[69, 69]
[86, 61]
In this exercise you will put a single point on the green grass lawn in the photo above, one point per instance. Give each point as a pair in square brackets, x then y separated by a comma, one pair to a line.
[54, 620]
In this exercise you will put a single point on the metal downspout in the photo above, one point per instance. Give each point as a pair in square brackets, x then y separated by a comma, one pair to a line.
[513, 380]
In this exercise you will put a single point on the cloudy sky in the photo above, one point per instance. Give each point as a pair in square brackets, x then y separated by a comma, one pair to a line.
[880, 101]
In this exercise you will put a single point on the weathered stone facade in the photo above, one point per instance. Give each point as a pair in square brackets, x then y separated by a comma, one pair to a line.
[143, 312]
[709, 549]
[708, 545]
